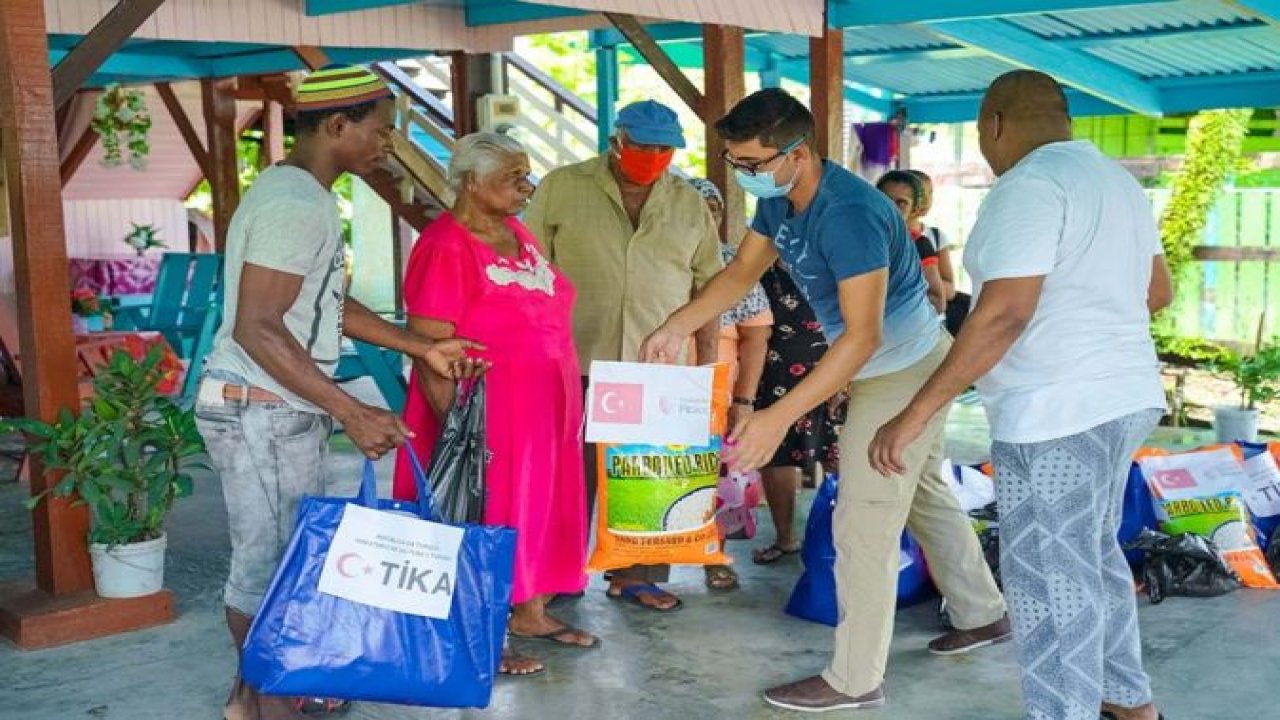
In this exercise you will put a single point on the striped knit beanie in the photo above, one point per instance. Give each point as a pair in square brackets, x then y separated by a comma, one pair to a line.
[339, 86]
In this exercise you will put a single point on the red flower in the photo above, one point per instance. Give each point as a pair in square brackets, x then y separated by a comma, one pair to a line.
[798, 369]
[812, 325]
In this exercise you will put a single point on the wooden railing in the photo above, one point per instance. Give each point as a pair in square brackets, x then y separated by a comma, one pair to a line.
[559, 128]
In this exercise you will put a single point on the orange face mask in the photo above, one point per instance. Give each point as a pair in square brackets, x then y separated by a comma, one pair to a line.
[643, 167]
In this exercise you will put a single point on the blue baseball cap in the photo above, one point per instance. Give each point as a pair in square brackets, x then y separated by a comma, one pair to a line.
[649, 122]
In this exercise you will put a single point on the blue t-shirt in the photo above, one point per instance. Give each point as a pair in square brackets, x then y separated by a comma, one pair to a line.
[850, 229]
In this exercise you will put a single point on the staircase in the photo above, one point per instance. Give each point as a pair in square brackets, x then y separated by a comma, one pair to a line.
[555, 126]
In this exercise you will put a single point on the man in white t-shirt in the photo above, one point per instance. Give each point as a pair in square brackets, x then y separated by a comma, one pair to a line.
[268, 400]
[1067, 269]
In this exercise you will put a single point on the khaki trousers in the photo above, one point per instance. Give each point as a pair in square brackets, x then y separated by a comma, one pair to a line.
[870, 513]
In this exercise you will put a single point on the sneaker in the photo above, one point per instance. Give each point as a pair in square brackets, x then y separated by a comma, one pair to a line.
[963, 641]
[815, 695]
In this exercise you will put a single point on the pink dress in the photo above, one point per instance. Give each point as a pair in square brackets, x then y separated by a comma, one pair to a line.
[521, 311]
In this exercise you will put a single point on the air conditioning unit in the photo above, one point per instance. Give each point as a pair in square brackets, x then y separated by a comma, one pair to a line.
[498, 113]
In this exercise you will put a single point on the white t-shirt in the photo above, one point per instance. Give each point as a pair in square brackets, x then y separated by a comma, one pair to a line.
[287, 222]
[1069, 214]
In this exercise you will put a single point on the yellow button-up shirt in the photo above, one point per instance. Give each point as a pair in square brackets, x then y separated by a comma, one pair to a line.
[629, 279]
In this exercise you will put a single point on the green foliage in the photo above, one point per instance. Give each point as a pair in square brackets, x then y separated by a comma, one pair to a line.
[1195, 350]
[1256, 374]
[122, 113]
[1214, 142]
[123, 455]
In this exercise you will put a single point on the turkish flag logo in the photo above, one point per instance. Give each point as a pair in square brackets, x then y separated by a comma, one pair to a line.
[1178, 479]
[619, 403]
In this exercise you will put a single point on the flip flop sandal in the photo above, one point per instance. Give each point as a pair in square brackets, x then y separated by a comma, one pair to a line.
[531, 673]
[722, 579]
[772, 554]
[555, 636]
[632, 594]
[317, 706]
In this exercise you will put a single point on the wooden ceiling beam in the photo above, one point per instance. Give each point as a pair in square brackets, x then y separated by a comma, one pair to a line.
[108, 36]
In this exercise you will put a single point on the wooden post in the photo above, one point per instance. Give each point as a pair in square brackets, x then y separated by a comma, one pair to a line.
[49, 377]
[471, 77]
[105, 38]
[224, 166]
[826, 86]
[61, 607]
[272, 133]
[724, 61]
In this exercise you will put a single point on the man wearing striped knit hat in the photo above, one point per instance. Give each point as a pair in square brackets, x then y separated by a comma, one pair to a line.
[268, 400]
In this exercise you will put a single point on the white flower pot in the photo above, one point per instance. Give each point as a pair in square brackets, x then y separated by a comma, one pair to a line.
[128, 571]
[1235, 423]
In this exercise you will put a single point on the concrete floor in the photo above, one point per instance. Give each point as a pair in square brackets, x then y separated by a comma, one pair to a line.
[1210, 659]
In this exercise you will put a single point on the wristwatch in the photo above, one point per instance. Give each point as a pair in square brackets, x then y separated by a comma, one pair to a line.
[749, 402]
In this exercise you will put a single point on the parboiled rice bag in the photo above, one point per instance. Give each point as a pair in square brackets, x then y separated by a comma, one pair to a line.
[655, 504]
[1223, 519]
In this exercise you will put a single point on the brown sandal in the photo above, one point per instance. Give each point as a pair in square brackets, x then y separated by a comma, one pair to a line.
[722, 578]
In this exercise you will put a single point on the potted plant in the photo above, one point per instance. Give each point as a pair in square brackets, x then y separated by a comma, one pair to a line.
[1256, 376]
[88, 310]
[126, 456]
[143, 237]
[122, 114]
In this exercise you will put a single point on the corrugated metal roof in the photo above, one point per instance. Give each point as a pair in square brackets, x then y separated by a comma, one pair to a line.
[1211, 55]
[927, 77]
[1135, 19]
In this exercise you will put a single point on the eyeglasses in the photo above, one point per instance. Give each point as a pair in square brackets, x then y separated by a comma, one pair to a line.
[752, 168]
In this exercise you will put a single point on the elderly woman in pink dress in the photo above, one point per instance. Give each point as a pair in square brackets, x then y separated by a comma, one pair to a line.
[478, 273]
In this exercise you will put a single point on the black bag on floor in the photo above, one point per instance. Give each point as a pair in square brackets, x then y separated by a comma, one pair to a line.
[458, 463]
[1187, 565]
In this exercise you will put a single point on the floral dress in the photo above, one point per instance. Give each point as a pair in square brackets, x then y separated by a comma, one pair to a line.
[795, 347]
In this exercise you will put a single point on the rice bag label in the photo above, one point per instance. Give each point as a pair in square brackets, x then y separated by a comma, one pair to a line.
[655, 489]
[1224, 520]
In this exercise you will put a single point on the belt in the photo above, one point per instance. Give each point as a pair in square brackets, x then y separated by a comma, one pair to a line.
[249, 394]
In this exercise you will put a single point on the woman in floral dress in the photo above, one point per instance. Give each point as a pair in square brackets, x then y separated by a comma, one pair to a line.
[795, 347]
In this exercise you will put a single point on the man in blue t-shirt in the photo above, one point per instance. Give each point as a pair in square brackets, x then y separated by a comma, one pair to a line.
[848, 250]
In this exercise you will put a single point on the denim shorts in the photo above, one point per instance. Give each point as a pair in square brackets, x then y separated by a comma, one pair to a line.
[268, 456]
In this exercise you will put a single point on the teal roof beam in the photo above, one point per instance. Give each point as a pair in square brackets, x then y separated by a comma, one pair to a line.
[1076, 69]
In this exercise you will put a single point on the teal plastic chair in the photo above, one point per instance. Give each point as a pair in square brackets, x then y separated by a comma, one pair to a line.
[386, 367]
[201, 348]
[187, 288]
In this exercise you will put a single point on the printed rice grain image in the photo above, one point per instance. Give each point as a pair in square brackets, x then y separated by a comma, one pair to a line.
[657, 489]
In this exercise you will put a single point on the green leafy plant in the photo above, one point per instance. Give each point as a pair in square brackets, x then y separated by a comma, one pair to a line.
[1215, 140]
[1256, 374]
[126, 455]
[122, 114]
[1187, 350]
[143, 237]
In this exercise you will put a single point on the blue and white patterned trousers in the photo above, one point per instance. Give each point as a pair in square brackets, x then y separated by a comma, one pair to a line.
[1070, 592]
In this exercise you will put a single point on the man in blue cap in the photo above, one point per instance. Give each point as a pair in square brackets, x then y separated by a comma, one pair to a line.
[637, 242]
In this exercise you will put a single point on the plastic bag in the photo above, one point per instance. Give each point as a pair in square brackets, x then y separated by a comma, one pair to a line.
[1187, 565]
[737, 497]
[458, 463]
[814, 596]
[309, 643]
[656, 504]
[1224, 520]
